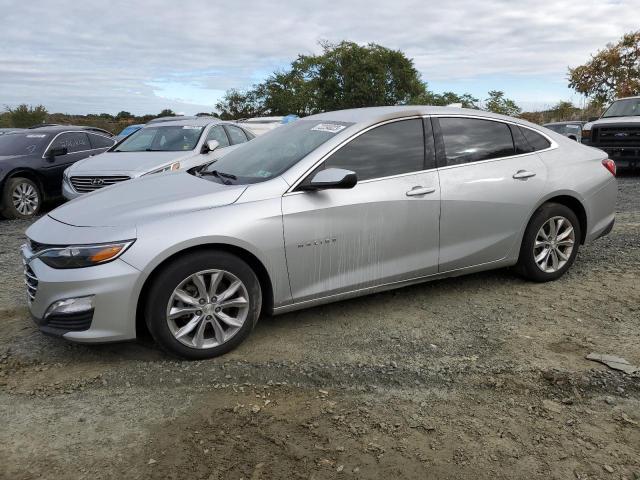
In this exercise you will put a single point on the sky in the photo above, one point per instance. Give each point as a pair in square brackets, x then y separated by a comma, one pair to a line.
[86, 56]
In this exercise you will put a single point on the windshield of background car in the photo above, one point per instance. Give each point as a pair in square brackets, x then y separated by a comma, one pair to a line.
[623, 108]
[275, 152]
[23, 143]
[162, 139]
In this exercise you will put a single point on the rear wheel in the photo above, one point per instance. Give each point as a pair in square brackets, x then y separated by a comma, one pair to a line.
[203, 305]
[21, 198]
[550, 243]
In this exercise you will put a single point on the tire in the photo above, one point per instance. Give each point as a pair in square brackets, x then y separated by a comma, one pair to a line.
[179, 335]
[21, 198]
[530, 251]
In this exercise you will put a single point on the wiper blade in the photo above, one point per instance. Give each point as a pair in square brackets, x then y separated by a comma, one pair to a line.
[221, 175]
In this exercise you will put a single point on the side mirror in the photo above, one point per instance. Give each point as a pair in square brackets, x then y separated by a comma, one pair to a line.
[210, 146]
[331, 178]
[56, 152]
[593, 119]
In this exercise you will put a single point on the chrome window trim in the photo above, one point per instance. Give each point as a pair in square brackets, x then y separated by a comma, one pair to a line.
[553, 146]
[44, 155]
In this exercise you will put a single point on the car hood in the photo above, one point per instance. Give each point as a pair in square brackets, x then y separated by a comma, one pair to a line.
[144, 199]
[127, 162]
[606, 121]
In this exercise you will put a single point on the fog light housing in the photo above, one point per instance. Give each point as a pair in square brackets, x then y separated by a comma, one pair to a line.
[70, 306]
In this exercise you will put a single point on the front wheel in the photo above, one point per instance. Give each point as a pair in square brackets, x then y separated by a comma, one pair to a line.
[550, 243]
[203, 305]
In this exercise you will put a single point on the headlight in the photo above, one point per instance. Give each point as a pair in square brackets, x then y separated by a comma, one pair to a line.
[168, 168]
[80, 256]
[65, 174]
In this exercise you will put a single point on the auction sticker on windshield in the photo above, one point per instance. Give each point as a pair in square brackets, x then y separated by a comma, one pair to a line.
[328, 127]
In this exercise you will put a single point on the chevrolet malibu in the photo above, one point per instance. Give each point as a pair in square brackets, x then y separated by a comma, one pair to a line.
[328, 207]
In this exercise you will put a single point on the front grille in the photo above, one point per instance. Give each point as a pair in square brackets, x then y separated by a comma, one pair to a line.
[75, 322]
[31, 281]
[85, 184]
[616, 136]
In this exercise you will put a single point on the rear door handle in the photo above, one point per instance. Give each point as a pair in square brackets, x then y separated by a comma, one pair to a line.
[416, 191]
[523, 174]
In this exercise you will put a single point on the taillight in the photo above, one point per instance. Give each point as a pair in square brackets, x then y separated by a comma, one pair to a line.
[610, 165]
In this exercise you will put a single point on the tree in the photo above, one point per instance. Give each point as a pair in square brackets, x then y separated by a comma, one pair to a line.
[497, 103]
[123, 115]
[238, 104]
[24, 116]
[167, 112]
[611, 73]
[446, 98]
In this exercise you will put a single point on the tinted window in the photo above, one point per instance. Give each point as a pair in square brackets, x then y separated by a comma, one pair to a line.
[391, 149]
[72, 141]
[236, 134]
[98, 141]
[217, 133]
[522, 146]
[471, 140]
[23, 144]
[270, 155]
[537, 141]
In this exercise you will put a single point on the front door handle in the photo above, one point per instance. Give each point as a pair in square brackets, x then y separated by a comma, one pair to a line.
[523, 175]
[416, 191]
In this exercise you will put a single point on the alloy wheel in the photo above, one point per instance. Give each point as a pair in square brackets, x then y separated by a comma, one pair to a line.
[554, 244]
[25, 199]
[207, 309]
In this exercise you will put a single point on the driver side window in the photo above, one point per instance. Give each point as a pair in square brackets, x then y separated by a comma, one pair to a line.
[218, 134]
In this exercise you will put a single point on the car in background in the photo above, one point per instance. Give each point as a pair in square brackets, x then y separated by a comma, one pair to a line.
[617, 132]
[571, 129]
[329, 207]
[262, 125]
[128, 131]
[156, 147]
[4, 131]
[32, 163]
[173, 118]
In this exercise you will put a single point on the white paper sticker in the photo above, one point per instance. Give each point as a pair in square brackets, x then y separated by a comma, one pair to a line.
[33, 135]
[191, 127]
[328, 127]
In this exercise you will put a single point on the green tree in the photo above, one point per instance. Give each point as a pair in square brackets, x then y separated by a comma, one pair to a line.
[446, 98]
[167, 112]
[497, 103]
[611, 73]
[238, 104]
[123, 115]
[24, 116]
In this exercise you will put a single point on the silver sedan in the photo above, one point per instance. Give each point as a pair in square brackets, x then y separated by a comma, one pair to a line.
[329, 207]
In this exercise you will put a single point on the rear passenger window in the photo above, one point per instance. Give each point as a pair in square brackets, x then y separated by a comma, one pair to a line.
[472, 140]
[236, 134]
[391, 149]
[521, 143]
[98, 141]
[537, 141]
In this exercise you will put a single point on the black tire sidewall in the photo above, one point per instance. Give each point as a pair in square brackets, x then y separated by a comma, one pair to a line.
[175, 272]
[8, 208]
[526, 261]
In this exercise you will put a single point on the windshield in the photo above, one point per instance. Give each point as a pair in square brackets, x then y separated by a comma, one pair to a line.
[623, 108]
[162, 139]
[23, 144]
[128, 130]
[273, 153]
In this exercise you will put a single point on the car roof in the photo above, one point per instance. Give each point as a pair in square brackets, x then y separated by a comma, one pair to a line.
[372, 115]
[568, 122]
[63, 128]
[180, 122]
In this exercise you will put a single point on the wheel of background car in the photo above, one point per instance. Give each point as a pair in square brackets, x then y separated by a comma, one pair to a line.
[203, 305]
[550, 243]
[21, 198]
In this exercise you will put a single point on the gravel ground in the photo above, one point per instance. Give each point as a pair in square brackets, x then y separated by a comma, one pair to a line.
[481, 376]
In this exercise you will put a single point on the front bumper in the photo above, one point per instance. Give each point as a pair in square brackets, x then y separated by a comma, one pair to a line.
[113, 287]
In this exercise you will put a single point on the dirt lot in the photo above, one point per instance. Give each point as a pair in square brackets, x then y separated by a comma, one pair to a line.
[476, 377]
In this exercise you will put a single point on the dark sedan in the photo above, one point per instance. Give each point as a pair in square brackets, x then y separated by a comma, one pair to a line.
[32, 162]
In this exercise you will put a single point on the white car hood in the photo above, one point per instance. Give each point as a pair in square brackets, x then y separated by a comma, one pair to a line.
[605, 121]
[127, 162]
[143, 199]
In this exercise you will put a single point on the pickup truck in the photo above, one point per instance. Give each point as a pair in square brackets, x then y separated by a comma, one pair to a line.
[617, 132]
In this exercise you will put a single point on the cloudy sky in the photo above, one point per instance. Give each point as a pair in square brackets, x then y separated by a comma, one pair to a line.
[86, 56]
